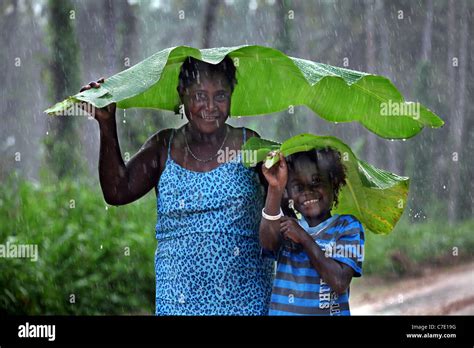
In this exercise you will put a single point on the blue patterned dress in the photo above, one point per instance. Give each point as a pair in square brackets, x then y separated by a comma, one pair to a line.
[208, 259]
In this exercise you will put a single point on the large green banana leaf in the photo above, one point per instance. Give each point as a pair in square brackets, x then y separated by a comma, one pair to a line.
[268, 81]
[376, 197]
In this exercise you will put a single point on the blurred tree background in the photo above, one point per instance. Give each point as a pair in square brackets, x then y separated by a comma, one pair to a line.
[49, 197]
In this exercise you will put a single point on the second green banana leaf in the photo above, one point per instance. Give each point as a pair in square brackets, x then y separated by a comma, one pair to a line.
[374, 196]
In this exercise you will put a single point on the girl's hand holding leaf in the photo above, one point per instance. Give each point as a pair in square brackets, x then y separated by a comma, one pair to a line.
[277, 175]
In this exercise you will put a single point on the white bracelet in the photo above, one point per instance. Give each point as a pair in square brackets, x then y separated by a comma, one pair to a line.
[271, 217]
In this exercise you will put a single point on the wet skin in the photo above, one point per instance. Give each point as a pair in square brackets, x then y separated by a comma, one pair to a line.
[207, 106]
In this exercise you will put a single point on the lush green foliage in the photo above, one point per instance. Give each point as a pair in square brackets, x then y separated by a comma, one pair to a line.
[82, 251]
[433, 243]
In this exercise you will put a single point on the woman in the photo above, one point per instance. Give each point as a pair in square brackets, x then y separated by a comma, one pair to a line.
[208, 259]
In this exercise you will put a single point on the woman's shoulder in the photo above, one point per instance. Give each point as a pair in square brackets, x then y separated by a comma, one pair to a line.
[240, 130]
[162, 136]
[159, 141]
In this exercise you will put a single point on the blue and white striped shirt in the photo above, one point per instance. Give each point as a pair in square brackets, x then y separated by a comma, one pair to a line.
[298, 288]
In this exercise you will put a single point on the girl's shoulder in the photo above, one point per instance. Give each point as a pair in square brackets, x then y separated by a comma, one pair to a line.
[349, 221]
[348, 217]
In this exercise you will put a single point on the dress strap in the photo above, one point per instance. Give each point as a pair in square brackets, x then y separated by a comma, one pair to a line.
[244, 134]
[169, 142]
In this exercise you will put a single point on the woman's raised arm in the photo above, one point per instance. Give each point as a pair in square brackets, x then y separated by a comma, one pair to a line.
[122, 182]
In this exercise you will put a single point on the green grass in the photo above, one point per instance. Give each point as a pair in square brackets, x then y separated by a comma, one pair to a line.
[82, 250]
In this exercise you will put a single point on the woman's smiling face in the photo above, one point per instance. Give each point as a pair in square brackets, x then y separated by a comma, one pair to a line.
[207, 102]
[309, 186]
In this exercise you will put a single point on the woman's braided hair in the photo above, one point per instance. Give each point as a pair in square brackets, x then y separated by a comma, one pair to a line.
[192, 69]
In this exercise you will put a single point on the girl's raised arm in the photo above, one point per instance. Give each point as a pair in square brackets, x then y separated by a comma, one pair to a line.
[276, 176]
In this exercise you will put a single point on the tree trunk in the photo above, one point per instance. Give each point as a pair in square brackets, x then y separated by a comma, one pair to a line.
[422, 192]
[384, 30]
[458, 122]
[370, 32]
[392, 160]
[371, 144]
[110, 41]
[209, 21]
[283, 27]
[62, 141]
[452, 121]
[9, 104]
[427, 33]
[128, 35]
[285, 123]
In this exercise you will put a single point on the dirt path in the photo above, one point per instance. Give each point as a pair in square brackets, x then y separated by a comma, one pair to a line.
[445, 291]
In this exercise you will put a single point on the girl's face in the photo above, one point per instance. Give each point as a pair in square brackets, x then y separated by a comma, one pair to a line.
[309, 186]
[207, 103]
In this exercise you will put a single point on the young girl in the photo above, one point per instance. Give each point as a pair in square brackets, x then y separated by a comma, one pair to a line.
[318, 254]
